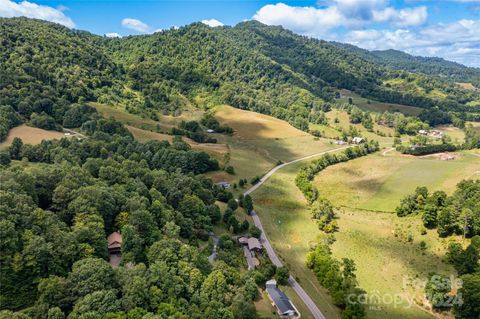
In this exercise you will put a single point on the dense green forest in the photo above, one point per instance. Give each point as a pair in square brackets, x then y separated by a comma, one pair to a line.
[60, 199]
[46, 68]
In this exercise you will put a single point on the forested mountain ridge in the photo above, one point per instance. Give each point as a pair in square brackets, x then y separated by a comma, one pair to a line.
[46, 68]
[434, 66]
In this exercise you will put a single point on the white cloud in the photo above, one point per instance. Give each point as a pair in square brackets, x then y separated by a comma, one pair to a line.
[113, 35]
[305, 20]
[9, 9]
[403, 17]
[458, 41]
[136, 25]
[317, 22]
[212, 23]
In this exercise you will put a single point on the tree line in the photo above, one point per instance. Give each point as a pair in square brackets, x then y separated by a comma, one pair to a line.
[457, 214]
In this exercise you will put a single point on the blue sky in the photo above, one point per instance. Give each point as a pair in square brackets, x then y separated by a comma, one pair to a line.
[445, 28]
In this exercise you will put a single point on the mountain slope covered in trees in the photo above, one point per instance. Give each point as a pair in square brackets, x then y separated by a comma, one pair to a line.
[433, 66]
[46, 69]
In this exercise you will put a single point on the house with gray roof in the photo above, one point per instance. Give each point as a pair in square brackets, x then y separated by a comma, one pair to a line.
[280, 301]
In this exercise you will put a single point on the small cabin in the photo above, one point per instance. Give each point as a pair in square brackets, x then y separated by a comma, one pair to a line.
[114, 243]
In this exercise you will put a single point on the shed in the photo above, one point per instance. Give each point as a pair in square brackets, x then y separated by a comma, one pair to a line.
[280, 301]
[254, 244]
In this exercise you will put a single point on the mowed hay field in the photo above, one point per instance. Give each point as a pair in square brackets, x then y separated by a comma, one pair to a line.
[273, 138]
[379, 181]
[30, 135]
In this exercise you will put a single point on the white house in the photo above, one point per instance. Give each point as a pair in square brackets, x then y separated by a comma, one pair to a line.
[423, 132]
[357, 140]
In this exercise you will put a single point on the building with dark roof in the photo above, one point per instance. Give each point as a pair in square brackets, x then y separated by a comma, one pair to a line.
[280, 301]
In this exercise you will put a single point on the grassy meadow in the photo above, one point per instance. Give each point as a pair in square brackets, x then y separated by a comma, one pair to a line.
[387, 259]
[260, 141]
[378, 182]
[30, 135]
[375, 106]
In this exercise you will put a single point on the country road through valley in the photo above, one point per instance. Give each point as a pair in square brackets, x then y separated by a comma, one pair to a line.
[302, 294]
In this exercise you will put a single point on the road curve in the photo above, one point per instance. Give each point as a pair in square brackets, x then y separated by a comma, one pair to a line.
[317, 314]
[276, 168]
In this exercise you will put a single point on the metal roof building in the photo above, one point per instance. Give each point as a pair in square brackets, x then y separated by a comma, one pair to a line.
[280, 301]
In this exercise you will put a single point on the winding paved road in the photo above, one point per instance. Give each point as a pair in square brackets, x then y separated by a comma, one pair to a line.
[317, 314]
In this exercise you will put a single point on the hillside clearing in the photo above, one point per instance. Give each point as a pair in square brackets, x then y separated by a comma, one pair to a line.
[375, 106]
[379, 182]
[467, 86]
[30, 135]
[260, 141]
[164, 124]
[215, 150]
